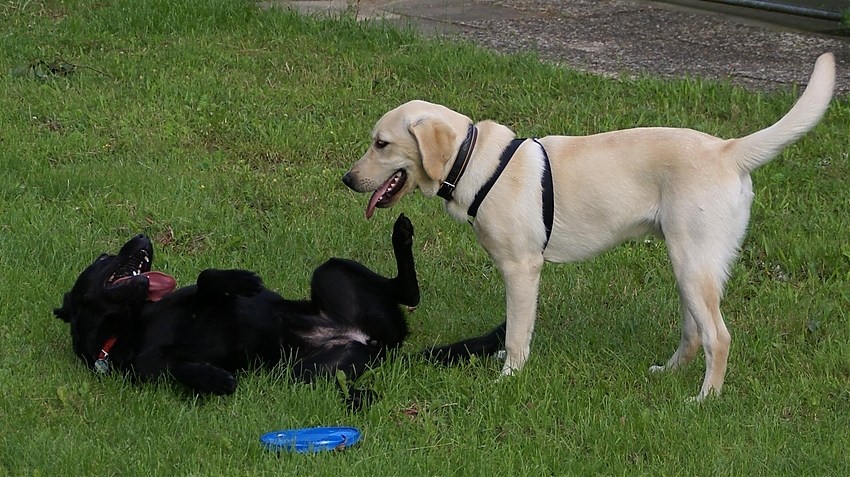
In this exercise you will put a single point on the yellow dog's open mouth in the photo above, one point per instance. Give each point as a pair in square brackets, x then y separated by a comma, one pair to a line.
[383, 197]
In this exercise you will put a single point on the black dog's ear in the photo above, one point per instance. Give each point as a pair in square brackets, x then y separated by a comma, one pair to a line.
[64, 313]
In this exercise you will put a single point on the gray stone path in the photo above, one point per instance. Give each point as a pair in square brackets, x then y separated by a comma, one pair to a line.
[616, 37]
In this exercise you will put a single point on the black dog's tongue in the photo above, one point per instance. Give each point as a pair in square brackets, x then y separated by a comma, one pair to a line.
[159, 285]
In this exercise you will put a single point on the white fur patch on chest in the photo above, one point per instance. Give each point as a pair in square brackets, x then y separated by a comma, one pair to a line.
[330, 336]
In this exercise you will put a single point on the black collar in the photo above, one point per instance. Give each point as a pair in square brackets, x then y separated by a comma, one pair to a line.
[463, 154]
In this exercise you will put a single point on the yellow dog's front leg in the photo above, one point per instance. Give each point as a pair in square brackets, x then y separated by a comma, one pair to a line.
[522, 280]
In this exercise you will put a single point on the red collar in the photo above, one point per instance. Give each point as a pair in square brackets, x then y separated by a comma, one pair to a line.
[101, 365]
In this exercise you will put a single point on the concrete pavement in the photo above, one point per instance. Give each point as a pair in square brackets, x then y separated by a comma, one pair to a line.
[759, 51]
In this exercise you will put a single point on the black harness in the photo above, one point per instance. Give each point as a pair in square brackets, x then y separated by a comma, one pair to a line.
[459, 166]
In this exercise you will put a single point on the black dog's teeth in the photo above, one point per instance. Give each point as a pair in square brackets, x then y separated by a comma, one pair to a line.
[134, 266]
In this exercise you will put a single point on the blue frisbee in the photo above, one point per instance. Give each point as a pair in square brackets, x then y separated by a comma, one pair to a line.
[311, 439]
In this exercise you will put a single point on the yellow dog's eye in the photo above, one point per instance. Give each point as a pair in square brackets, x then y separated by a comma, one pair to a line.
[379, 144]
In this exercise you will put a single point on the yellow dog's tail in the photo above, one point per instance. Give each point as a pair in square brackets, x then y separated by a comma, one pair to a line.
[760, 147]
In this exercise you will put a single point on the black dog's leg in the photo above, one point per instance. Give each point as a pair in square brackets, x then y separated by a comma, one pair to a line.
[350, 359]
[405, 283]
[229, 282]
[453, 353]
[199, 377]
[358, 398]
[204, 378]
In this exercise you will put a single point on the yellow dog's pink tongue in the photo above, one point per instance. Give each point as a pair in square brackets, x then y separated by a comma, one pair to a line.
[378, 195]
[159, 285]
[373, 202]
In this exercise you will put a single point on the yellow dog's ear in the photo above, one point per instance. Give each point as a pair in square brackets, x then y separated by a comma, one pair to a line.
[436, 141]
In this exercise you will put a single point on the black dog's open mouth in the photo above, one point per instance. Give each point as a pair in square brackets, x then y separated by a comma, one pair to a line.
[383, 197]
[139, 264]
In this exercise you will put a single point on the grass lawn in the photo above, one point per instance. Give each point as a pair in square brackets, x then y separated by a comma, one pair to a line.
[223, 131]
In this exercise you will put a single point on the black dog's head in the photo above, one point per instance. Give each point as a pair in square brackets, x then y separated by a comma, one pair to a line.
[109, 294]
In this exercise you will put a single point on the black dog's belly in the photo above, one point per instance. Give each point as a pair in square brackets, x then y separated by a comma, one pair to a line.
[231, 333]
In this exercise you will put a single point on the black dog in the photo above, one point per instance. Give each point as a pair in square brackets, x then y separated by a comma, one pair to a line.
[125, 317]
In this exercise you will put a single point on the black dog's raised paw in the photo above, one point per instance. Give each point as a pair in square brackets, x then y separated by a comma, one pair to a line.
[233, 282]
[403, 232]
